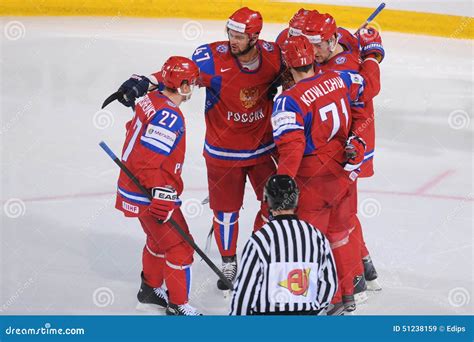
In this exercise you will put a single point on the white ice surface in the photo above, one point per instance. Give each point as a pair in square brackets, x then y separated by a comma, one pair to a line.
[69, 241]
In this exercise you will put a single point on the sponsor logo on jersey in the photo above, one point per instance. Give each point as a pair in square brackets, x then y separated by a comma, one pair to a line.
[161, 134]
[223, 48]
[249, 96]
[297, 282]
[267, 46]
[129, 207]
[283, 118]
[246, 117]
[340, 60]
[226, 69]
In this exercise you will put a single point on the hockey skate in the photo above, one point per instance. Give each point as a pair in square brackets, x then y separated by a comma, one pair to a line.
[371, 275]
[335, 309]
[360, 290]
[151, 299]
[349, 303]
[229, 269]
[182, 310]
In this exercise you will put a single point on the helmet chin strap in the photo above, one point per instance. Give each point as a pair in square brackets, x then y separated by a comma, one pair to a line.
[333, 46]
[187, 95]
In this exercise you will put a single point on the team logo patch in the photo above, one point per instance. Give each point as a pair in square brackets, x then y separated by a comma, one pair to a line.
[292, 282]
[171, 104]
[340, 60]
[297, 282]
[267, 46]
[222, 48]
[249, 96]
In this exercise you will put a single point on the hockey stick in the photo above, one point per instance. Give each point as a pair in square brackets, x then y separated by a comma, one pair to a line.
[115, 96]
[209, 240]
[372, 16]
[173, 223]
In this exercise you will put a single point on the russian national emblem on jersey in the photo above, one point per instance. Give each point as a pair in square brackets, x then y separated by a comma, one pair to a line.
[249, 97]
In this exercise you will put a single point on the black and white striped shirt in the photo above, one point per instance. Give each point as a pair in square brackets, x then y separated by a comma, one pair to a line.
[286, 266]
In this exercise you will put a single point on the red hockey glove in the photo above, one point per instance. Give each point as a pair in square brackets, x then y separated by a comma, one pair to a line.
[165, 201]
[371, 44]
[354, 149]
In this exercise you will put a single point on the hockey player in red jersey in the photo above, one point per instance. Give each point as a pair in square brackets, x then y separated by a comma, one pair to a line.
[337, 49]
[295, 28]
[154, 152]
[312, 129]
[238, 75]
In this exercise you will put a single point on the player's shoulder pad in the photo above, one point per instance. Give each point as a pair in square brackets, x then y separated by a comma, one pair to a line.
[204, 58]
[269, 47]
[348, 36]
[285, 102]
[344, 33]
[351, 78]
[164, 130]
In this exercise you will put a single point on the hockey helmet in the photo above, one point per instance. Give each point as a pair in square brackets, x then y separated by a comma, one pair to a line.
[281, 192]
[178, 69]
[319, 27]
[245, 20]
[297, 52]
[296, 23]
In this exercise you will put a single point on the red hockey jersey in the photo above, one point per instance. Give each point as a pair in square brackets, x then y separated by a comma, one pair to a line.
[363, 112]
[313, 118]
[153, 151]
[238, 106]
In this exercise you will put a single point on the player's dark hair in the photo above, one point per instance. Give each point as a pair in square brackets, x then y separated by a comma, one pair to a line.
[304, 68]
[174, 91]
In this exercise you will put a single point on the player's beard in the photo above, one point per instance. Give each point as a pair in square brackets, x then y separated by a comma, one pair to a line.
[244, 51]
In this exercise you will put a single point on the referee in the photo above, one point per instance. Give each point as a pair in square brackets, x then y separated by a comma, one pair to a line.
[287, 266]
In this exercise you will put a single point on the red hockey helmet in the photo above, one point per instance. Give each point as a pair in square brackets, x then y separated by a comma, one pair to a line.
[178, 69]
[298, 51]
[245, 20]
[319, 27]
[296, 23]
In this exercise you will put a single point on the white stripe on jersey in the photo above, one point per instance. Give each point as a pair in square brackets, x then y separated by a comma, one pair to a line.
[156, 144]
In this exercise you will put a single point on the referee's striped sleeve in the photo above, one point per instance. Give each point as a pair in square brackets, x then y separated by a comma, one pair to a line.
[328, 276]
[248, 281]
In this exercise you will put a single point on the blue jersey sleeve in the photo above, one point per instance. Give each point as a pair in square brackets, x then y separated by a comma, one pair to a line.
[204, 59]
[286, 117]
[163, 132]
[355, 83]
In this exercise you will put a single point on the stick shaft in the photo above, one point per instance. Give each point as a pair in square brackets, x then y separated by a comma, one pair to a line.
[173, 223]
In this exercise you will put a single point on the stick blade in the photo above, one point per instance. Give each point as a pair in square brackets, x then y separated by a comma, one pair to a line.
[112, 98]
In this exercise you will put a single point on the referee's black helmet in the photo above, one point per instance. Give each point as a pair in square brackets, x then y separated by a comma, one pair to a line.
[281, 192]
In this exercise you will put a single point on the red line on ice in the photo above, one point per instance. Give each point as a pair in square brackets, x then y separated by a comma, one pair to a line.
[204, 189]
[436, 180]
